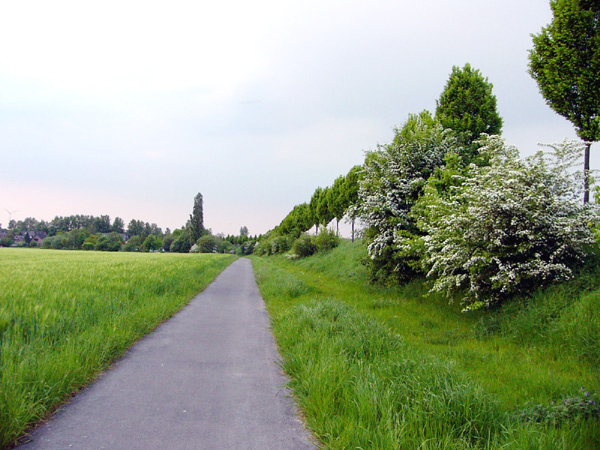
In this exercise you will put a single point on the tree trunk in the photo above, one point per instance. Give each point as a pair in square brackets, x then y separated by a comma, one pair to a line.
[586, 173]
[352, 230]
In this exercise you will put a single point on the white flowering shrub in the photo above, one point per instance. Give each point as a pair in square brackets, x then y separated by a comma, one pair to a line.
[392, 179]
[508, 227]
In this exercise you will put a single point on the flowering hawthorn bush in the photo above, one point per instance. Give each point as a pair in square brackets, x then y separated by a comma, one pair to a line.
[507, 227]
[393, 178]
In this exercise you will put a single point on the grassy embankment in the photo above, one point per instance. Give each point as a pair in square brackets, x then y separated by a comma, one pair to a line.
[65, 316]
[386, 368]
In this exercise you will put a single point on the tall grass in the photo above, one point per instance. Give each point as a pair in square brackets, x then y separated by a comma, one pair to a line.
[64, 317]
[563, 319]
[362, 387]
[379, 367]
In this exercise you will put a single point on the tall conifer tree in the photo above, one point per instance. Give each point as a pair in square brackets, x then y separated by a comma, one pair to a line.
[467, 106]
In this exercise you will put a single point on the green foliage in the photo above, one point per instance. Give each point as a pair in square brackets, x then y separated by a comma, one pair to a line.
[361, 386]
[76, 238]
[392, 180]
[565, 62]
[196, 223]
[273, 244]
[152, 243]
[467, 106]
[167, 242]
[89, 242]
[324, 213]
[325, 205]
[246, 248]
[362, 353]
[335, 198]
[579, 407]
[315, 201]
[118, 225]
[350, 195]
[135, 227]
[350, 188]
[101, 225]
[326, 240]
[28, 224]
[140, 228]
[297, 221]
[508, 228]
[208, 244]
[6, 241]
[304, 246]
[133, 244]
[58, 242]
[111, 242]
[182, 243]
[564, 317]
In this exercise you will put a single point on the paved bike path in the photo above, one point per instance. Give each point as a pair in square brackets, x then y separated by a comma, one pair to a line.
[207, 378]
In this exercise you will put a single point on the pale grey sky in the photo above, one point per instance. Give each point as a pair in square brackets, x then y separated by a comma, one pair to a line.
[130, 108]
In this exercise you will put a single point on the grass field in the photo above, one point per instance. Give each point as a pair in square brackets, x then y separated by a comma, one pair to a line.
[376, 367]
[66, 316]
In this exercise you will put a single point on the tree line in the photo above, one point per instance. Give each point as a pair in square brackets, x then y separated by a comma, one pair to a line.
[449, 200]
[325, 205]
[85, 232]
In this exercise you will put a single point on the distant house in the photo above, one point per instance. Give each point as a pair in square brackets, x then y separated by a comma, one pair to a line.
[36, 236]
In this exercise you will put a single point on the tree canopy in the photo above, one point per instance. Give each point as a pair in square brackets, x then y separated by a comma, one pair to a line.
[393, 178]
[565, 62]
[467, 105]
[505, 228]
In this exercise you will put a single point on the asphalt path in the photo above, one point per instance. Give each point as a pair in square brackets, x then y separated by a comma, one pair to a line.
[208, 378]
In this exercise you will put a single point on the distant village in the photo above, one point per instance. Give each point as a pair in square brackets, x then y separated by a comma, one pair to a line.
[73, 232]
[82, 232]
[22, 238]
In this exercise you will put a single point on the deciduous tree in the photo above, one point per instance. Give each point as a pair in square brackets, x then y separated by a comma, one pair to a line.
[315, 200]
[565, 62]
[335, 200]
[118, 225]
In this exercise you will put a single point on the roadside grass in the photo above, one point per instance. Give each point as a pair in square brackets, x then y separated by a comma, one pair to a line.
[379, 367]
[66, 316]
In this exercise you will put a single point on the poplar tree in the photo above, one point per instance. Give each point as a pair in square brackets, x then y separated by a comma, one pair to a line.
[196, 223]
[565, 62]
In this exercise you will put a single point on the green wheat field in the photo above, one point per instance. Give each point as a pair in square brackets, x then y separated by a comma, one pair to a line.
[66, 316]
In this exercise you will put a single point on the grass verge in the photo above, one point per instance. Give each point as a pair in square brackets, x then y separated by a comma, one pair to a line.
[66, 316]
[376, 367]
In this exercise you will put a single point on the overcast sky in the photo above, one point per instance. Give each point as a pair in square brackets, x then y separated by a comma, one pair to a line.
[130, 108]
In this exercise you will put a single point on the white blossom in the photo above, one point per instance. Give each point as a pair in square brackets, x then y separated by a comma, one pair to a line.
[513, 225]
